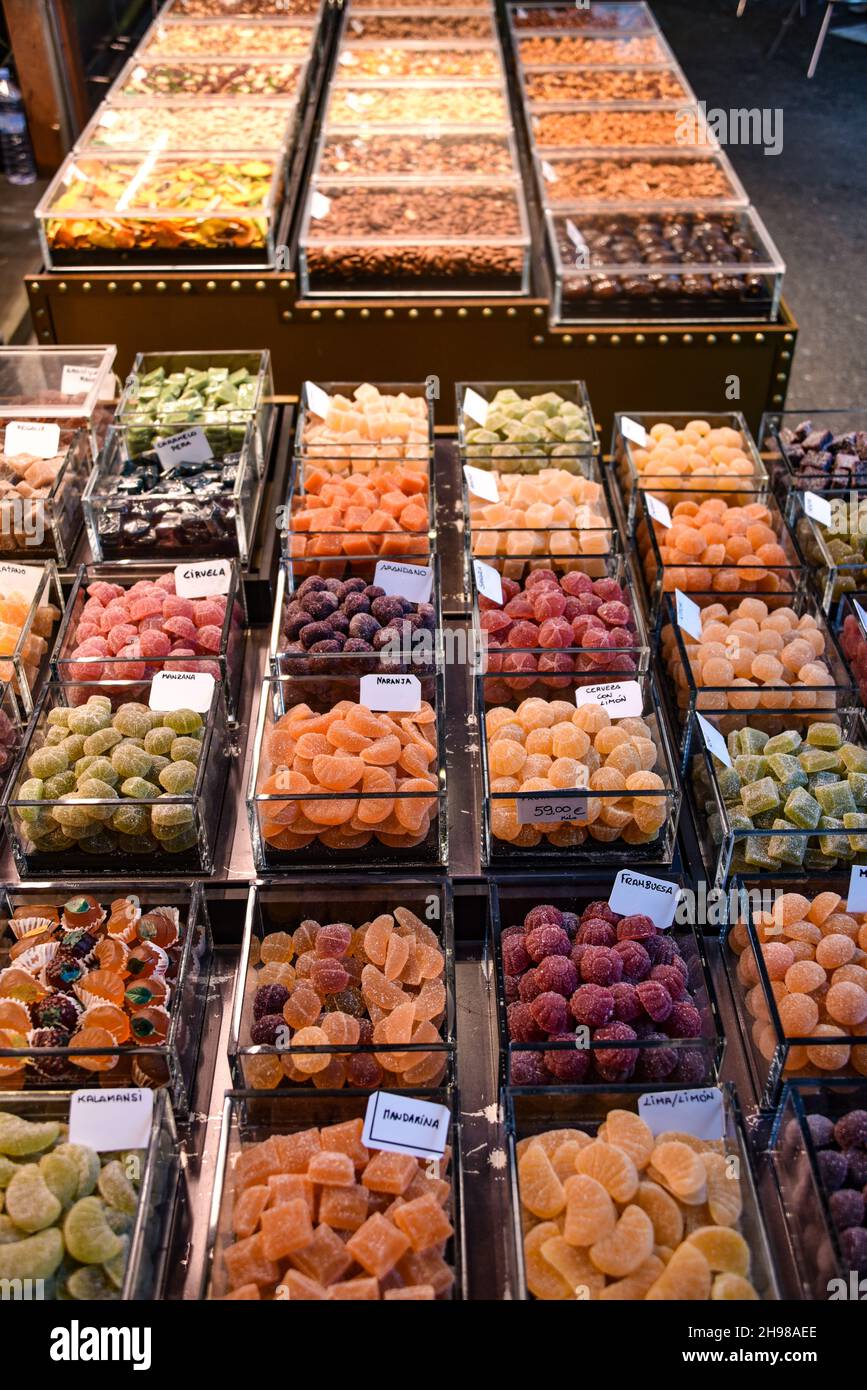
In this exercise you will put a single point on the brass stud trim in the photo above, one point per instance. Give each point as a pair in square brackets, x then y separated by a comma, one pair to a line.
[284, 284]
[615, 340]
[591, 339]
[760, 337]
[339, 314]
[788, 337]
[711, 338]
[34, 289]
[785, 357]
[538, 339]
[778, 400]
[687, 338]
[735, 338]
[260, 286]
[511, 311]
[62, 287]
[538, 311]
[486, 313]
[438, 313]
[286, 315]
[567, 338]
[137, 287]
[86, 287]
[389, 313]
[211, 285]
[462, 313]
[782, 376]
[317, 314]
[235, 285]
[413, 313]
[161, 287]
[365, 313]
[639, 338]
[112, 286]
[186, 287]
[663, 340]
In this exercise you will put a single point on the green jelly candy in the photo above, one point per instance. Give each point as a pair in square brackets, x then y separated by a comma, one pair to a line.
[168, 817]
[94, 788]
[56, 787]
[88, 719]
[83, 764]
[802, 809]
[90, 1284]
[858, 782]
[825, 735]
[819, 760]
[37, 1257]
[60, 1172]
[786, 743]
[856, 820]
[120, 1221]
[134, 845]
[159, 740]
[130, 820]
[56, 841]
[32, 789]
[816, 859]
[9, 1232]
[836, 798]
[86, 1161]
[757, 853]
[100, 702]
[102, 741]
[104, 771]
[47, 762]
[787, 849]
[58, 733]
[764, 820]
[785, 768]
[30, 1202]
[739, 821]
[89, 1238]
[183, 721]
[133, 720]
[70, 816]
[159, 763]
[99, 841]
[186, 750]
[8, 1169]
[73, 747]
[179, 778]
[179, 843]
[131, 761]
[138, 789]
[58, 717]
[821, 779]
[116, 1189]
[116, 1269]
[732, 744]
[762, 795]
[729, 783]
[19, 1137]
[853, 758]
[750, 767]
[751, 740]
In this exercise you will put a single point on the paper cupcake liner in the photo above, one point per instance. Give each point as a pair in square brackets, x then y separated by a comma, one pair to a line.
[37, 958]
[23, 926]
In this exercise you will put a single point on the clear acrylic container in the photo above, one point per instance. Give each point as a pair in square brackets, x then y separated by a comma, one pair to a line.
[191, 79]
[105, 211]
[498, 531]
[602, 85]
[270, 126]
[687, 696]
[24, 660]
[397, 24]
[181, 38]
[822, 1261]
[776, 1055]
[852, 641]
[377, 61]
[52, 853]
[12, 724]
[804, 446]
[32, 382]
[484, 105]
[159, 1171]
[566, 180]
[394, 154]
[730, 844]
[285, 837]
[639, 127]
[251, 1118]
[546, 50]
[221, 520]
[169, 1064]
[167, 392]
[504, 448]
[532, 817]
[114, 672]
[690, 1061]
[278, 908]
[260, 9]
[532, 1113]
[440, 239]
[835, 555]
[361, 456]
[46, 523]
[603, 17]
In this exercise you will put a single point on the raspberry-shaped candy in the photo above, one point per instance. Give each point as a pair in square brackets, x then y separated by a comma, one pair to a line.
[684, 1021]
[568, 1064]
[522, 1025]
[821, 1130]
[529, 987]
[601, 966]
[577, 954]
[833, 1168]
[558, 975]
[596, 933]
[847, 1208]
[528, 1069]
[550, 1012]
[627, 1004]
[851, 1131]
[543, 916]
[691, 1067]
[515, 958]
[600, 909]
[671, 977]
[636, 961]
[616, 1063]
[269, 999]
[511, 984]
[656, 1063]
[655, 1000]
[570, 924]
[853, 1244]
[267, 1030]
[508, 932]
[661, 949]
[637, 927]
[592, 1005]
[547, 941]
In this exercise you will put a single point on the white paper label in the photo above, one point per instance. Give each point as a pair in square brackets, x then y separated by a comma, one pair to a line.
[404, 1125]
[489, 582]
[204, 579]
[107, 1120]
[320, 205]
[656, 898]
[862, 616]
[190, 446]
[856, 899]
[630, 429]
[658, 510]
[77, 381]
[622, 699]
[32, 437]
[318, 401]
[475, 406]
[395, 693]
[481, 483]
[549, 173]
[108, 390]
[819, 508]
[413, 582]
[182, 690]
[21, 579]
[714, 741]
[582, 250]
[688, 614]
[698, 1112]
[555, 806]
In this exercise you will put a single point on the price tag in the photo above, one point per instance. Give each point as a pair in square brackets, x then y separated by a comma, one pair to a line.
[204, 579]
[190, 446]
[320, 205]
[32, 437]
[475, 406]
[413, 582]
[489, 582]
[404, 1125]
[699, 1112]
[108, 390]
[658, 510]
[856, 899]
[22, 579]
[395, 693]
[582, 250]
[482, 483]
[688, 614]
[182, 690]
[622, 699]
[552, 806]
[862, 616]
[318, 401]
[77, 381]
[549, 173]
[631, 430]
[714, 741]
[656, 898]
[819, 508]
[121, 1118]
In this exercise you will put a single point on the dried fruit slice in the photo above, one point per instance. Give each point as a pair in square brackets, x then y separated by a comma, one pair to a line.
[725, 1250]
[628, 1245]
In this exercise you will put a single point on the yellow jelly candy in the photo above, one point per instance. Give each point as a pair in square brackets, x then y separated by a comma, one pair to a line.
[611, 1167]
[628, 1246]
[663, 1211]
[732, 1286]
[725, 1250]
[686, 1278]
[590, 1212]
[543, 1280]
[541, 1190]
[629, 1132]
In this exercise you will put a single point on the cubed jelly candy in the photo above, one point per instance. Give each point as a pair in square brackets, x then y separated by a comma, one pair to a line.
[750, 766]
[286, 1229]
[757, 853]
[354, 1290]
[802, 809]
[786, 769]
[294, 1151]
[288, 1187]
[410, 1292]
[427, 1267]
[762, 795]
[788, 848]
[331, 1169]
[378, 1244]
[423, 1222]
[853, 758]
[836, 799]
[858, 783]
[346, 1138]
[344, 1208]
[247, 1263]
[729, 781]
[825, 735]
[751, 740]
[248, 1208]
[325, 1258]
[389, 1172]
[819, 759]
[298, 1286]
[787, 742]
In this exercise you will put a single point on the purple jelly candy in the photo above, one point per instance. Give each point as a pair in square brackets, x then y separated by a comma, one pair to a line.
[833, 1168]
[557, 974]
[527, 1068]
[847, 1208]
[636, 961]
[550, 1012]
[627, 1004]
[684, 1021]
[853, 1244]
[269, 999]
[547, 941]
[522, 1025]
[655, 1000]
[267, 1030]
[601, 966]
[851, 1131]
[592, 1005]
[569, 1064]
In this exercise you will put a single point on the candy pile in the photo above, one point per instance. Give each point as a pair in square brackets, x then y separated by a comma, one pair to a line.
[142, 508]
[371, 426]
[554, 512]
[542, 51]
[692, 456]
[14, 611]
[330, 617]
[843, 545]
[25, 480]
[619, 977]
[163, 402]
[842, 1162]
[85, 976]
[329, 986]
[630, 1215]
[814, 952]
[383, 512]
[67, 1213]
[527, 428]
[768, 659]
[821, 459]
[318, 1215]
[546, 746]
[338, 759]
[131, 766]
[230, 39]
[714, 546]
[853, 644]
